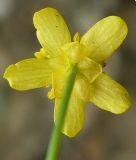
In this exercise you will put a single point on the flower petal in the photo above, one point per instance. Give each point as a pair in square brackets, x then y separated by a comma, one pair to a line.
[109, 95]
[52, 31]
[42, 54]
[105, 37]
[74, 119]
[29, 74]
[90, 69]
[58, 81]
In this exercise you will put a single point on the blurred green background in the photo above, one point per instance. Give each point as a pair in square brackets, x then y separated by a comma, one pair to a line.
[26, 118]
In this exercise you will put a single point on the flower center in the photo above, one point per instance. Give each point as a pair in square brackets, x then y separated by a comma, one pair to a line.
[75, 51]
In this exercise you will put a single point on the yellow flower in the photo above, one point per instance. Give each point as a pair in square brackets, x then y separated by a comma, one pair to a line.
[52, 63]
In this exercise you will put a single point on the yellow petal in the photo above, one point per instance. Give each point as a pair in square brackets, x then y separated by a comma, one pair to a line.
[60, 63]
[60, 68]
[75, 51]
[90, 69]
[109, 95]
[82, 87]
[42, 54]
[52, 31]
[74, 118]
[29, 74]
[58, 81]
[105, 37]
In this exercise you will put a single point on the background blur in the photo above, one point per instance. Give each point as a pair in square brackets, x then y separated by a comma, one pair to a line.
[26, 118]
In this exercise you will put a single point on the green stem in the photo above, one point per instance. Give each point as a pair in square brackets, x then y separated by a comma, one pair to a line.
[56, 133]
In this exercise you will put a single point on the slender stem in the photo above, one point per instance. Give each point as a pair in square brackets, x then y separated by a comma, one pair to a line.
[54, 142]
